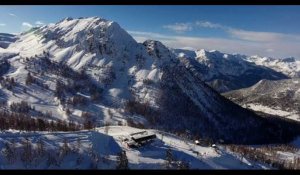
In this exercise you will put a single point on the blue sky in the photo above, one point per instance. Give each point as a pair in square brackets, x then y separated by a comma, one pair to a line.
[253, 30]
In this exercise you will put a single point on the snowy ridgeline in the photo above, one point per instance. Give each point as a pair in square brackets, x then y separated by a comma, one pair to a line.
[226, 72]
[288, 66]
[97, 150]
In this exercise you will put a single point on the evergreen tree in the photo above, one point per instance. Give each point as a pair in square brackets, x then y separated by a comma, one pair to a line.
[169, 158]
[9, 153]
[122, 161]
[68, 112]
[40, 147]
[65, 148]
[52, 126]
[29, 79]
[12, 81]
[87, 123]
[14, 147]
[79, 160]
[51, 160]
[183, 165]
[76, 146]
[78, 143]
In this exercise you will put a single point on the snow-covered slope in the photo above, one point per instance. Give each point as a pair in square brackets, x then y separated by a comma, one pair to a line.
[288, 66]
[225, 72]
[110, 57]
[280, 97]
[97, 150]
[92, 67]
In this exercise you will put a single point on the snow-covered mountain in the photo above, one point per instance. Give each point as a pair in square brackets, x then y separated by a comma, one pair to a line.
[225, 72]
[280, 97]
[288, 66]
[92, 69]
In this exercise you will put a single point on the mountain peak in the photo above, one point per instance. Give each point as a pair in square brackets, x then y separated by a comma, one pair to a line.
[78, 39]
[153, 44]
[68, 19]
[201, 53]
[158, 50]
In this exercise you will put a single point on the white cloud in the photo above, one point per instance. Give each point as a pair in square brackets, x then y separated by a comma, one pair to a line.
[149, 35]
[11, 14]
[280, 48]
[2, 24]
[208, 24]
[39, 23]
[179, 27]
[26, 26]
[252, 36]
[255, 36]
[262, 36]
[188, 48]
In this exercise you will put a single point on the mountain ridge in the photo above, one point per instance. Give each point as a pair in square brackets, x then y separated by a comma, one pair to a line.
[92, 69]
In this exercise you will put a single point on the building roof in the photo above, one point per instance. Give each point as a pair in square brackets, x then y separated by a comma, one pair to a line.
[144, 135]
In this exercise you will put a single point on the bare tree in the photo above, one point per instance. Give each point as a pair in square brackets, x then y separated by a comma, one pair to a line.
[169, 159]
[9, 152]
[27, 154]
[40, 147]
[65, 150]
[106, 128]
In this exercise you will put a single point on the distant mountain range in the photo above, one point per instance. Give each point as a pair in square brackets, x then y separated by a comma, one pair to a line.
[226, 72]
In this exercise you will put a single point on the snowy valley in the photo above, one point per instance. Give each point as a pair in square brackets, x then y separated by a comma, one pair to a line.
[281, 97]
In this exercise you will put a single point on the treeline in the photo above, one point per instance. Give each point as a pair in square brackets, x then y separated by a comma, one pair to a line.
[33, 80]
[20, 118]
[24, 122]
[33, 155]
[84, 85]
[62, 90]
[107, 75]
[26, 109]
[144, 109]
[22, 107]
[156, 118]
[268, 155]
[132, 123]
[78, 81]
[8, 83]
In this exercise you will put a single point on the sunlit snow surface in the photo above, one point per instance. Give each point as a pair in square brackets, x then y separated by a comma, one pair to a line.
[150, 156]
